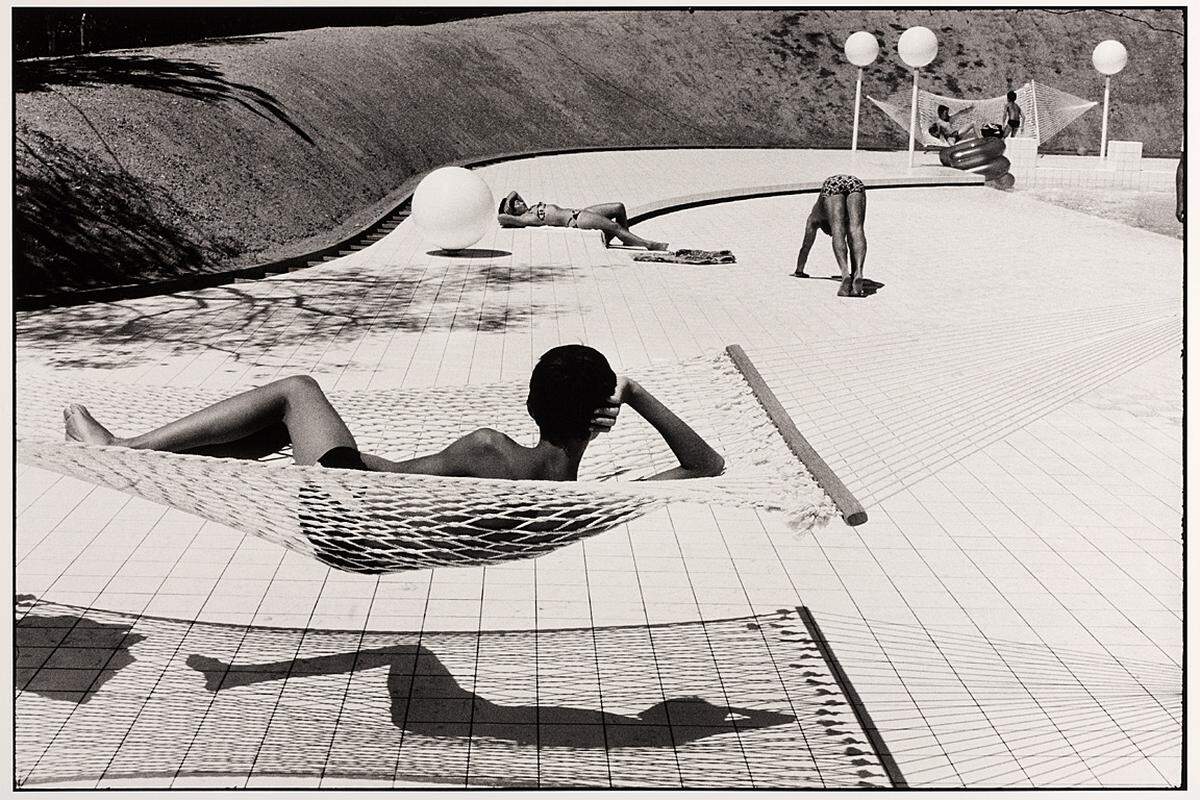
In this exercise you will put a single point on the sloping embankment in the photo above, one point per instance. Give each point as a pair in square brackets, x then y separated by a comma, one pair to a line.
[141, 165]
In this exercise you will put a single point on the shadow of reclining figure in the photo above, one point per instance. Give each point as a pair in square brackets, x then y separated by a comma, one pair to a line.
[426, 699]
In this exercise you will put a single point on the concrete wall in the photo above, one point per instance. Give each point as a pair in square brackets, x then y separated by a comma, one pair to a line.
[1123, 169]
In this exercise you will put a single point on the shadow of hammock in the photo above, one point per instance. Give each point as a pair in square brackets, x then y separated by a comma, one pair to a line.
[574, 707]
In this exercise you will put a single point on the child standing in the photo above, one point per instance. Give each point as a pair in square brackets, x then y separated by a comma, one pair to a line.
[1014, 117]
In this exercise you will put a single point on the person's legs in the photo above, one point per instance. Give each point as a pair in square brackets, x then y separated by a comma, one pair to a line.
[856, 215]
[614, 211]
[835, 211]
[590, 220]
[262, 443]
[296, 405]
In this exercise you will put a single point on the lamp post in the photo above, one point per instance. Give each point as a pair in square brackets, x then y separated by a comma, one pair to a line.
[918, 46]
[861, 49]
[1109, 58]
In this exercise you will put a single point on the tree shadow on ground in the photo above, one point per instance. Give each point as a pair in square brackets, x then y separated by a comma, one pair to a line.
[81, 222]
[250, 321]
[189, 79]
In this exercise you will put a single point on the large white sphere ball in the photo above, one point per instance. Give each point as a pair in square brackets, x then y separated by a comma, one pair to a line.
[918, 46]
[1110, 57]
[453, 207]
[862, 48]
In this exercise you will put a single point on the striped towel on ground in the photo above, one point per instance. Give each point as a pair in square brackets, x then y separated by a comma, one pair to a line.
[686, 256]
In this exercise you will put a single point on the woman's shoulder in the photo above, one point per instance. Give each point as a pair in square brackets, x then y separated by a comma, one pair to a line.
[488, 439]
[491, 453]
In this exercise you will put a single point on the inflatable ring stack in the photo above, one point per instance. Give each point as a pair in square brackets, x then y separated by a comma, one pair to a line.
[984, 156]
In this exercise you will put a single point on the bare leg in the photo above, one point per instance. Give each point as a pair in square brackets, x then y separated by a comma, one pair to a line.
[835, 210]
[614, 211]
[252, 418]
[856, 213]
[590, 220]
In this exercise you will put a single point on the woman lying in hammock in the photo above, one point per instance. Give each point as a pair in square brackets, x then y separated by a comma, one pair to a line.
[574, 395]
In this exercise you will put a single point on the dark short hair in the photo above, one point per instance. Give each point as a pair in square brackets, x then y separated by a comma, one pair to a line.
[568, 384]
[1012, 95]
[943, 108]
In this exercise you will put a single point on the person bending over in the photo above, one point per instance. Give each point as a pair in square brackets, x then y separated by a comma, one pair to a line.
[574, 395]
[947, 128]
[608, 218]
[840, 210]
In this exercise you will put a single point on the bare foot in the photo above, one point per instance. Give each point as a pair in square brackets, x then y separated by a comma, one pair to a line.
[856, 287]
[657, 246]
[82, 427]
[799, 274]
[846, 287]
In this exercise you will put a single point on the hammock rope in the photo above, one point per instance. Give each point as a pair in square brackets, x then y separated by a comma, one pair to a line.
[384, 522]
[1047, 110]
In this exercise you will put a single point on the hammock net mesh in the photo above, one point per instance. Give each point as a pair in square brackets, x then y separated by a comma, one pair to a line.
[382, 522]
[1047, 110]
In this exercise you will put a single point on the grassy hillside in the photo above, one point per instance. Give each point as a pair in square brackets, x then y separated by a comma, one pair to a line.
[151, 163]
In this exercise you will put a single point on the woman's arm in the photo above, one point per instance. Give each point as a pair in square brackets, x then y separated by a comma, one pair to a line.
[509, 221]
[961, 111]
[697, 459]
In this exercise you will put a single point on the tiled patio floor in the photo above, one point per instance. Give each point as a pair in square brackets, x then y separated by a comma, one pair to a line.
[1007, 404]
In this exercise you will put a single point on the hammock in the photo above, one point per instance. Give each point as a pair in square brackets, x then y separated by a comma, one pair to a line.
[1047, 110]
[375, 522]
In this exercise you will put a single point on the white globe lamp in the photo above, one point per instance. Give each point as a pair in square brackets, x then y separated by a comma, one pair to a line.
[1109, 58]
[862, 48]
[917, 46]
[453, 207]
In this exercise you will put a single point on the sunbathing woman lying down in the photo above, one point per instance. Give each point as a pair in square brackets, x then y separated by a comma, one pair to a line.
[608, 218]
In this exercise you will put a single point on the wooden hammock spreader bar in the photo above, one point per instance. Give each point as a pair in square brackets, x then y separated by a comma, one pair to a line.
[851, 510]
